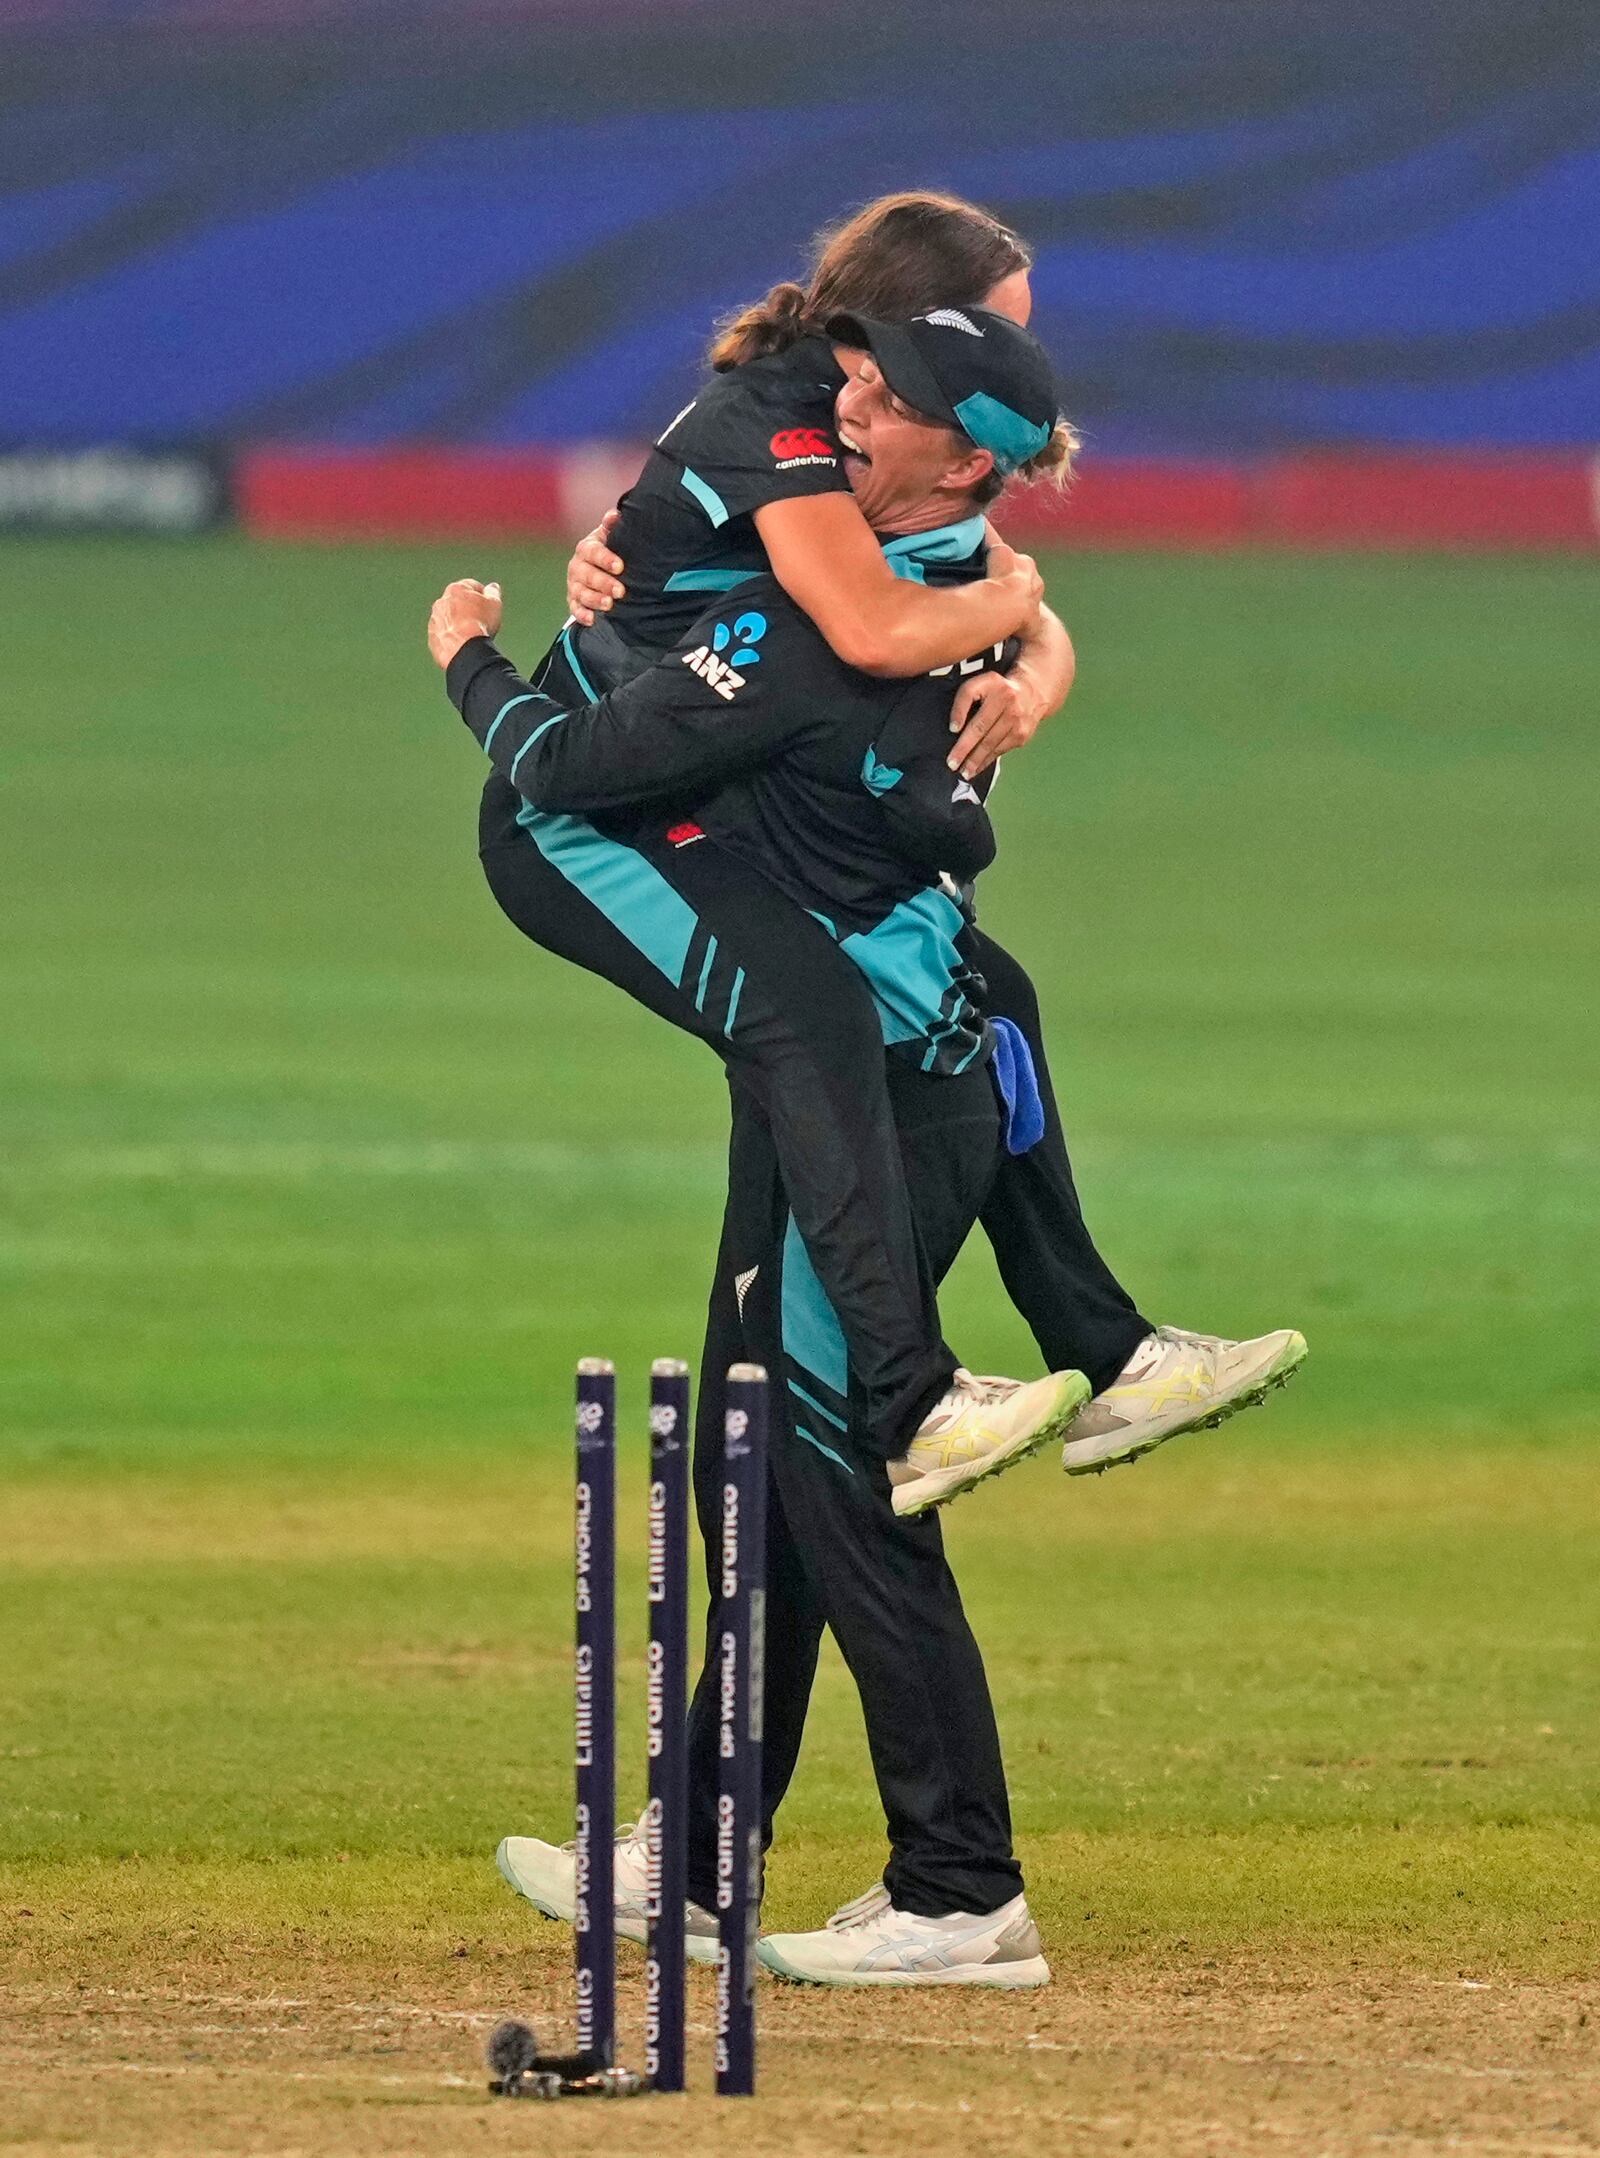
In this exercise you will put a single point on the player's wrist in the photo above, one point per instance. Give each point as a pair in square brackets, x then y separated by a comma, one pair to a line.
[1032, 694]
[466, 663]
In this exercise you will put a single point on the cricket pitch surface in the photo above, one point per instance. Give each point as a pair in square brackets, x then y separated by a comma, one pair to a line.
[1224, 2058]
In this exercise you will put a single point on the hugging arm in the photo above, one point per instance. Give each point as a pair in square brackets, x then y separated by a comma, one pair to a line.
[994, 713]
[827, 558]
[670, 734]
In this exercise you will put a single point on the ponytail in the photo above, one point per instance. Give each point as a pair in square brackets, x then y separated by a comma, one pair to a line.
[771, 325]
[895, 258]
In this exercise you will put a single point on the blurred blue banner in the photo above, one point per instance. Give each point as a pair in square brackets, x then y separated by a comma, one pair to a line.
[1256, 225]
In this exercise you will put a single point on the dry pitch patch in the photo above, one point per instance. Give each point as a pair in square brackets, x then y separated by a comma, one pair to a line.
[1226, 2058]
[327, 2008]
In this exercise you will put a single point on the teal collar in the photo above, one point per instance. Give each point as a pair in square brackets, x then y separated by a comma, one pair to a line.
[945, 543]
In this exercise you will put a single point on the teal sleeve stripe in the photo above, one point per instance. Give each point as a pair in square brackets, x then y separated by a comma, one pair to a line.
[707, 497]
[579, 676]
[528, 744]
[510, 706]
[811, 1402]
[811, 1439]
[708, 580]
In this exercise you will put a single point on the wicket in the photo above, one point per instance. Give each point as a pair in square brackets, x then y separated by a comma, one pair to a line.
[666, 1681]
[740, 1643]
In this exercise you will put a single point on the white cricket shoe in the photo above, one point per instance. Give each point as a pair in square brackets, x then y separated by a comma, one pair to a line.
[870, 1943]
[1175, 1382]
[546, 1873]
[980, 1427]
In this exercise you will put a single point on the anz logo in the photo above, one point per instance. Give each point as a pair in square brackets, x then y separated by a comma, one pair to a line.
[739, 643]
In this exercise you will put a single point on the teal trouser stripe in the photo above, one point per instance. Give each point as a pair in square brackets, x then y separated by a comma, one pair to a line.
[705, 975]
[626, 888]
[733, 1001]
[812, 1334]
[811, 1402]
[812, 1440]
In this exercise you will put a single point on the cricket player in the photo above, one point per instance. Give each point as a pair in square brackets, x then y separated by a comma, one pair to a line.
[753, 741]
[754, 475]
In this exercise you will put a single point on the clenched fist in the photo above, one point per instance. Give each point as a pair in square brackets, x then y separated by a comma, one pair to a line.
[463, 610]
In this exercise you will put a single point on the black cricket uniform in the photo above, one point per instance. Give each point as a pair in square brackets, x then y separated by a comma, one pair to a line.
[799, 999]
[794, 937]
[758, 434]
[830, 787]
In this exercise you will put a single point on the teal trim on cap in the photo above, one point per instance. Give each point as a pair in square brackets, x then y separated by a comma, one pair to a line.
[707, 497]
[1010, 438]
[708, 580]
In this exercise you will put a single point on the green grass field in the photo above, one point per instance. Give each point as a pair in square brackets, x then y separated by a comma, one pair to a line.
[315, 1179]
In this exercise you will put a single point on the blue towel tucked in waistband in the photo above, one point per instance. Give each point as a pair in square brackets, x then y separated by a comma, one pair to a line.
[1014, 1075]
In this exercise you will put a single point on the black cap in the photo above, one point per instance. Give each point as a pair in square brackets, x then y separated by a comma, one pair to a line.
[975, 371]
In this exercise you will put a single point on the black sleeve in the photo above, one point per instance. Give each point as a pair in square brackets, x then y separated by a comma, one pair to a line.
[935, 819]
[721, 703]
[755, 437]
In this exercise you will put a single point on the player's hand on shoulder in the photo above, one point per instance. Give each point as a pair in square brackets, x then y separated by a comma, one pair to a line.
[463, 610]
[594, 572]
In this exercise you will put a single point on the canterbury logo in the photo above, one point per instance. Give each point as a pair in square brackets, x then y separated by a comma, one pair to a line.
[794, 442]
[951, 318]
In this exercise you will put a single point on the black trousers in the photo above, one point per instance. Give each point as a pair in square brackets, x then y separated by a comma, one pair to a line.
[804, 1032]
[837, 1554]
[1076, 1309]
[787, 1012]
